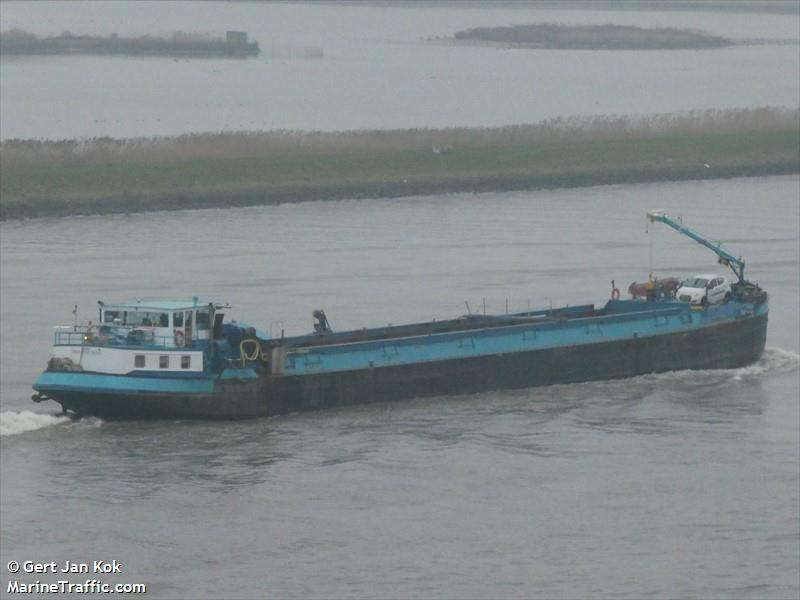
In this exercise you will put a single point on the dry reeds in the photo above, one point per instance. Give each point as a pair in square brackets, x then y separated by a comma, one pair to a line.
[109, 151]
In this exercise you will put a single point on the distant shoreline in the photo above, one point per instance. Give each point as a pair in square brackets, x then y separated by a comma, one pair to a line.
[105, 176]
[550, 36]
[16, 42]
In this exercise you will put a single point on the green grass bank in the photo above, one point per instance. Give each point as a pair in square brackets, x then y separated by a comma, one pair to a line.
[42, 179]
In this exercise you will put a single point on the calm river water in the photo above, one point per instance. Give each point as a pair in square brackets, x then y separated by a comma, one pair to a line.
[377, 70]
[676, 485]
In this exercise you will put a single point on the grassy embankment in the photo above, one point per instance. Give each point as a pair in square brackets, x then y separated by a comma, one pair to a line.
[52, 178]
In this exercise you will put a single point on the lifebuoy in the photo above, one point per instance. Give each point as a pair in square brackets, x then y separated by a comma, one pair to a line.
[179, 339]
[249, 355]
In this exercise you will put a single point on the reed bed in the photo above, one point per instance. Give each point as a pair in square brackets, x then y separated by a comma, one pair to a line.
[106, 151]
[102, 175]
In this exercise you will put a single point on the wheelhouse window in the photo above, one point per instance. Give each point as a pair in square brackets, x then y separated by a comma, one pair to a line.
[138, 361]
[186, 361]
[203, 319]
[177, 319]
[146, 319]
[163, 361]
[110, 316]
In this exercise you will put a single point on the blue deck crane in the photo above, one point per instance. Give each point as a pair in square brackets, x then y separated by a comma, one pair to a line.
[725, 258]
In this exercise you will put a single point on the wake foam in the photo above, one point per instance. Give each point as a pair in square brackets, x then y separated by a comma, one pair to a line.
[780, 358]
[773, 360]
[13, 423]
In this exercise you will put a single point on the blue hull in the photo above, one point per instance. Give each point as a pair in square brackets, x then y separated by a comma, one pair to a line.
[624, 339]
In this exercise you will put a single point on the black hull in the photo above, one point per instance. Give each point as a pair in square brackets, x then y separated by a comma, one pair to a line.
[725, 346]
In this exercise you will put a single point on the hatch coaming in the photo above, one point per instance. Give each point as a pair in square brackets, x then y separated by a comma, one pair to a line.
[618, 320]
[462, 324]
[613, 309]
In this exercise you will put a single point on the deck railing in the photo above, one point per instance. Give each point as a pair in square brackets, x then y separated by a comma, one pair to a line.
[120, 337]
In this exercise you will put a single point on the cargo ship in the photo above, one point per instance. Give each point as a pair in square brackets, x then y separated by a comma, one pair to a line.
[168, 359]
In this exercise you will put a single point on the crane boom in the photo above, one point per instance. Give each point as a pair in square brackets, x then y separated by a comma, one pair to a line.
[725, 257]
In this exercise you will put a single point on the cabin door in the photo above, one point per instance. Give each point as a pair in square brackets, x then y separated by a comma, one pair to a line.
[218, 317]
[187, 327]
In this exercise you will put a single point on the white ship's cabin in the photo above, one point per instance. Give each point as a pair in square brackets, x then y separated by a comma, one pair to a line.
[177, 324]
[163, 324]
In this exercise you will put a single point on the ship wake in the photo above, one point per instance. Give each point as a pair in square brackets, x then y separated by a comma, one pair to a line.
[773, 360]
[14, 423]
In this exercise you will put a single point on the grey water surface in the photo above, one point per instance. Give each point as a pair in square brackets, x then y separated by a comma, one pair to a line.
[682, 485]
[381, 68]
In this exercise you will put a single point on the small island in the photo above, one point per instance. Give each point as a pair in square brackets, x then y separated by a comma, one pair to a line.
[179, 44]
[592, 37]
